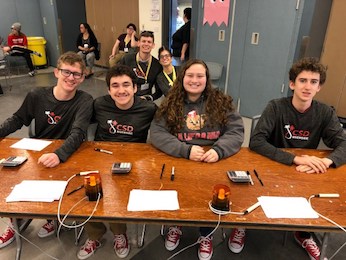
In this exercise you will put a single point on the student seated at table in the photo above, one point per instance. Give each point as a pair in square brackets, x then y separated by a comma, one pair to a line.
[193, 115]
[60, 112]
[112, 113]
[299, 122]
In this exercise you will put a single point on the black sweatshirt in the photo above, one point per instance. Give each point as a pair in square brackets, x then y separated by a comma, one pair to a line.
[119, 125]
[54, 119]
[282, 126]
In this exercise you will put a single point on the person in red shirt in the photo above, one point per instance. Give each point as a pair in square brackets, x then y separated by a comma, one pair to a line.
[17, 46]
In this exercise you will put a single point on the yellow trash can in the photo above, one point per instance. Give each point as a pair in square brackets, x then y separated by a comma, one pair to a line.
[38, 44]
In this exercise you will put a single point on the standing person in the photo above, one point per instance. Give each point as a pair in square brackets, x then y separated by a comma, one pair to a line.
[145, 66]
[120, 108]
[60, 112]
[300, 122]
[194, 114]
[169, 73]
[87, 46]
[123, 44]
[17, 46]
[181, 39]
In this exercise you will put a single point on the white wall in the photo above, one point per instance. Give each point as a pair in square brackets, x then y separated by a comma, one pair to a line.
[145, 22]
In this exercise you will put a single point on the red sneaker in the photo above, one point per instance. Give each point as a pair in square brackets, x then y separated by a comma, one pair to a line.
[236, 240]
[121, 245]
[7, 237]
[205, 251]
[306, 241]
[88, 249]
[46, 230]
[173, 238]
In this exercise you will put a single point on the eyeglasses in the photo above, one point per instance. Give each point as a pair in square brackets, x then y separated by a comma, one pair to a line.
[164, 56]
[147, 32]
[67, 73]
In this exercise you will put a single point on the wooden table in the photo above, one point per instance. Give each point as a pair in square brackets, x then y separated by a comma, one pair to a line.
[194, 182]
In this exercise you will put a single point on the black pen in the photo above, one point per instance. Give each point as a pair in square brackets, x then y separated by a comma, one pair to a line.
[163, 168]
[172, 174]
[258, 177]
[103, 151]
[76, 189]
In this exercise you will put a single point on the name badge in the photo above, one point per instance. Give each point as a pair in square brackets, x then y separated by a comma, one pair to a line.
[126, 49]
[145, 86]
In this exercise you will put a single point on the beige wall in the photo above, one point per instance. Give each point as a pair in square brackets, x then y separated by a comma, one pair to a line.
[145, 22]
[334, 56]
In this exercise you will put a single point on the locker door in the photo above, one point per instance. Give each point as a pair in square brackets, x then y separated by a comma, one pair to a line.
[271, 36]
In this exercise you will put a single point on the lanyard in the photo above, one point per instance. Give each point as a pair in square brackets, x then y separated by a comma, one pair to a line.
[170, 81]
[148, 68]
[126, 40]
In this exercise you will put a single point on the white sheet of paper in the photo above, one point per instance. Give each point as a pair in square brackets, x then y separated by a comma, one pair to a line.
[144, 200]
[31, 144]
[286, 207]
[43, 191]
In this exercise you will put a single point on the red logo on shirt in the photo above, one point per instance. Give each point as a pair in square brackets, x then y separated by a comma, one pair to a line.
[292, 133]
[52, 118]
[116, 128]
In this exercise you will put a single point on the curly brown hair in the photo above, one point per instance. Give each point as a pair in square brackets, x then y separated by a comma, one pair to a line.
[308, 64]
[218, 105]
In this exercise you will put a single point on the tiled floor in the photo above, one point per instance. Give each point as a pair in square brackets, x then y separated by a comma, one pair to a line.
[261, 244]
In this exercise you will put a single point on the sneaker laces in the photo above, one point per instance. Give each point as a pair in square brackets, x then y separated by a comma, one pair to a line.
[205, 244]
[119, 241]
[173, 234]
[8, 233]
[48, 226]
[238, 236]
[89, 246]
[311, 246]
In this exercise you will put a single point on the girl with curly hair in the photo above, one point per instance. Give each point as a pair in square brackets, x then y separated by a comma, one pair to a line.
[194, 115]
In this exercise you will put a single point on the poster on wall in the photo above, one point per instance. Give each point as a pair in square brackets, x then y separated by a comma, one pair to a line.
[155, 10]
[216, 11]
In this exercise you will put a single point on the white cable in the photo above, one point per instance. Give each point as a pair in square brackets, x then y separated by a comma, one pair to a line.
[83, 223]
[60, 226]
[328, 219]
[41, 250]
[60, 201]
[222, 212]
[198, 240]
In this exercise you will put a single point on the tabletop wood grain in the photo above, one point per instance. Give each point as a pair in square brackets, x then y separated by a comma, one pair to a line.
[194, 182]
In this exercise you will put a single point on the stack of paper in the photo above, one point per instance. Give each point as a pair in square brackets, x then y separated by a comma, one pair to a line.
[43, 191]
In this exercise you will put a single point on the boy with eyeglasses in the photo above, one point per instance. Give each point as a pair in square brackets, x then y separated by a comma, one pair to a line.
[60, 112]
[145, 66]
